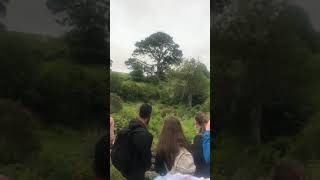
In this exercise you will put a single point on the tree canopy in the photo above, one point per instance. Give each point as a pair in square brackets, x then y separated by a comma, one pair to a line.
[161, 49]
[88, 21]
[191, 80]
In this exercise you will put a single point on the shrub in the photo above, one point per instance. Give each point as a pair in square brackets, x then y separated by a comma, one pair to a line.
[152, 79]
[137, 72]
[18, 68]
[206, 105]
[19, 172]
[307, 145]
[115, 103]
[19, 139]
[133, 91]
[71, 94]
[115, 82]
[53, 167]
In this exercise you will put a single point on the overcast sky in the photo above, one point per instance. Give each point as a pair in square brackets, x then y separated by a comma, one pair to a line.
[312, 8]
[31, 16]
[187, 21]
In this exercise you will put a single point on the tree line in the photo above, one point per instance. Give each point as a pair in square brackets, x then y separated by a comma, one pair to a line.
[264, 68]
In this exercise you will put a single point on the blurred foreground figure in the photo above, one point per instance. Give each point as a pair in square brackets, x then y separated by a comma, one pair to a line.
[179, 176]
[111, 131]
[289, 170]
[100, 162]
[3, 177]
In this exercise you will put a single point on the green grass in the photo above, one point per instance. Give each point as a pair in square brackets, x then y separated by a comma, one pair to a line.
[66, 155]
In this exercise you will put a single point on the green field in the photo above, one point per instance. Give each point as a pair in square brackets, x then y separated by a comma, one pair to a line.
[66, 154]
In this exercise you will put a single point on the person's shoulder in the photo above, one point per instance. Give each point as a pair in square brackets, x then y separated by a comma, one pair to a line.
[198, 137]
[143, 133]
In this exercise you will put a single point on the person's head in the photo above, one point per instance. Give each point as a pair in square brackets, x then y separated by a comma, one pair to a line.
[171, 140]
[289, 170]
[100, 159]
[145, 112]
[201, 120]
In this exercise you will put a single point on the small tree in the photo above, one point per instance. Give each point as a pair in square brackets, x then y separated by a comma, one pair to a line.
[190, 81]
[137, 73]
[88, 21]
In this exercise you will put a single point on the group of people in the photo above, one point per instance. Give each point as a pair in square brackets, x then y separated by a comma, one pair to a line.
[131, 150]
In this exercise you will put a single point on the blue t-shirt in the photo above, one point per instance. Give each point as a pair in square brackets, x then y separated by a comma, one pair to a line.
[206, 146]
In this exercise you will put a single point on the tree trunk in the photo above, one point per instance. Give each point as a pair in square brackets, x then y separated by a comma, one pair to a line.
[256, 119]
[159, 70]
[190, 100]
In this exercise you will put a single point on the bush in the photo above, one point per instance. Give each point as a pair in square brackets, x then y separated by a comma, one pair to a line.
[206, 105]
[152, 79]
[115, 82]
[18, 133]
[18, 69]
[19, 172]
[115, 103]
[306, 145]
[133, 91]
[71, 94]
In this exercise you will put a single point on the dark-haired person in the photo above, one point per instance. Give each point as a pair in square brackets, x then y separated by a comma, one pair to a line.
[289, 170]
[100, 159]
[173, 154]
[131, 153]
[201, 146]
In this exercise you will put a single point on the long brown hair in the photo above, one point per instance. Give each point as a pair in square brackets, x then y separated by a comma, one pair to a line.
[202, 120]
[171, 140]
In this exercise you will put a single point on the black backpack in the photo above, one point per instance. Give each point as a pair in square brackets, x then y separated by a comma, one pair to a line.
[123, 150]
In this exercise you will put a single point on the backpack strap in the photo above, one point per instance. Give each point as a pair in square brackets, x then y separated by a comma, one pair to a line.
[165, 166]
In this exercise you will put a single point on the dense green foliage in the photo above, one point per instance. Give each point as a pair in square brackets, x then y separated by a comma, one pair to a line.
[115, 103]
[265, 64]
[191, 83]
[55, 89]
[38, 72]
[66, 154]
[17, 123]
